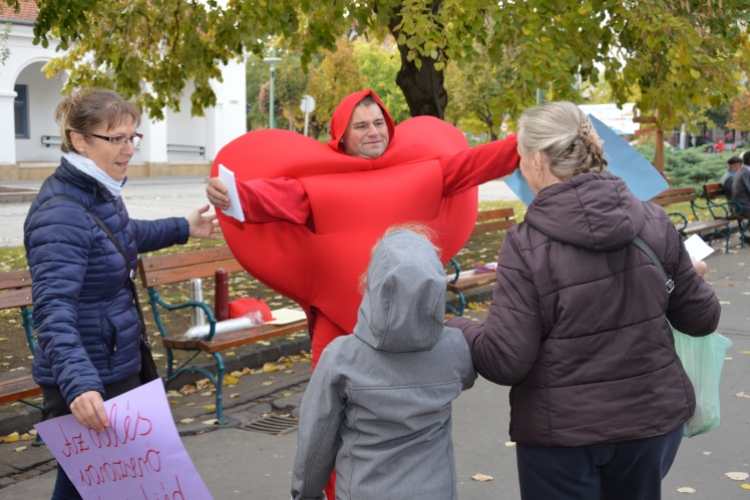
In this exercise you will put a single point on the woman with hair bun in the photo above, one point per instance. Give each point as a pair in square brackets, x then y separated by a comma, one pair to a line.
[87, 324]
[579, 323]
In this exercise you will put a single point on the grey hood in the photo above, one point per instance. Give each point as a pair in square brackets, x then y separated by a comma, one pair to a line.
[593, 211]
[405, 275]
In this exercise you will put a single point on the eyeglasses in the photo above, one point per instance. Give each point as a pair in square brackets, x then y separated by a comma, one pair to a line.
[120, 140]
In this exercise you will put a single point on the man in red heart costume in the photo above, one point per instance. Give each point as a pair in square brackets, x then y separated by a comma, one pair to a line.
[313, 212]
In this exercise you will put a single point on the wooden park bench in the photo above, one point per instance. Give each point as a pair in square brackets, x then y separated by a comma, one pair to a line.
[488, 221]
[707, 229]
[15, 292]
[726, 210]
[182, 267]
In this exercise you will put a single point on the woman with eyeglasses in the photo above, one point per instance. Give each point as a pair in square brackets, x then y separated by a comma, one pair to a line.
[87, 324]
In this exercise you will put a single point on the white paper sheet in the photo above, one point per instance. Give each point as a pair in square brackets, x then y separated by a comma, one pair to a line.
[286, 316]
[226, 176]
[697, 248]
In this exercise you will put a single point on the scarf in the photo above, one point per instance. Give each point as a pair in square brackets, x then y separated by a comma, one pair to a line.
[88, 167]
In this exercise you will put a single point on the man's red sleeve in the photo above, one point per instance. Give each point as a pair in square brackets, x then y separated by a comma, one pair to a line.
[478, 165]
[273, 200]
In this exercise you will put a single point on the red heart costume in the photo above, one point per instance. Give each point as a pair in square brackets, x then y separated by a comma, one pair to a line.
[427, 173]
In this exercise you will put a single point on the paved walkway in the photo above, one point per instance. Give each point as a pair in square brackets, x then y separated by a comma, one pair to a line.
[155, 198]
[239, 464]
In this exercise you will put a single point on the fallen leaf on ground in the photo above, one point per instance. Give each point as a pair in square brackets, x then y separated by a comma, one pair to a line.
[156, 355]
[686, 490]
[186, 420]
[21, 448]
[724, 303]
[707, 453]
[264, 342]
[509, 444]
[270, 367]
[174, 402]
[237, 373]
[737, 476]
[26, 437]
[230, 380]
[235, 395]
[190, 404]
[287, 394]
[188, 389]
[209, 407]
[481, 478]
[743, 395]
[11, 438]
[745, 486]
[267, 382]
[174, 394]
[745, 352]
[206, 394]
[3, 339]
[728, 358]
[203, 383]
[229, 353]
[213, 421]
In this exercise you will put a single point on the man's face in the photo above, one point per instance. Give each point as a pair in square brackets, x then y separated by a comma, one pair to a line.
[366, 135]
[735, 166]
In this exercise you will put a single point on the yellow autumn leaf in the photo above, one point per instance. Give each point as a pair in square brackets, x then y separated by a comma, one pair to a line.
[745, 352]
[26, 437]
[174, 394]
[190, 404]
[186, 420]
[482, 478]
[230, 380]
[287, 394]
[288, 371]
[209, 407]
[11, 438]
[3, 339]
[213, 421]
[174, 402]
[686, 490]
[509, 444]
[21, 448]
[270, 367]
[229, 353]
[203, 383]
[246, 371]
[695, 73]
[237, 373]
[267, 382]
[745, 486]
[235, 395]
[206, 394]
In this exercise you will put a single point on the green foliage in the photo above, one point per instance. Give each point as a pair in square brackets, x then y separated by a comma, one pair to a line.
[256, 73]
[676, 56]
[4, 50]
[380, 63]
[689, 168]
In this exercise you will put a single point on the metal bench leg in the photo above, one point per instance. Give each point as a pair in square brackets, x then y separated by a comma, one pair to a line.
[219, 386]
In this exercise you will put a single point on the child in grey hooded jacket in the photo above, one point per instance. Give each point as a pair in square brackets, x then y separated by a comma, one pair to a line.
[378, 406]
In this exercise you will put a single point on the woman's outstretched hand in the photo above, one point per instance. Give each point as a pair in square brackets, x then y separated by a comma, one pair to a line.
[204, 226]
[88, 409]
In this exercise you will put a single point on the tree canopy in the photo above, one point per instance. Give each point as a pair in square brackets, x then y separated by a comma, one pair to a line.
[680, 54]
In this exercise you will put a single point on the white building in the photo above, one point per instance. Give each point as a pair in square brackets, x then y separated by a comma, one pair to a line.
[29, 137]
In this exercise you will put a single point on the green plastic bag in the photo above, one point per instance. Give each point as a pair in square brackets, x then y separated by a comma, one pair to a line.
[703, 359]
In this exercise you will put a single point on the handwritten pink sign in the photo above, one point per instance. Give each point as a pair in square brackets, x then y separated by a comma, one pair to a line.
[138, 457]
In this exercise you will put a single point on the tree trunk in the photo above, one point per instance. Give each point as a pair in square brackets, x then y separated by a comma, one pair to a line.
[423, 88]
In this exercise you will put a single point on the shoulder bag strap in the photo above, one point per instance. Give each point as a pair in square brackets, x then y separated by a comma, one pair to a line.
[651, 255]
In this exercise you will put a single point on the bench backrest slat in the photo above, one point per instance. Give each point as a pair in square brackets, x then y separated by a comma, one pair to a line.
[15, 279]
[489, 221]
[674, 195]
[713, 190]
[178, 275]
[162, 262]
[15, 298]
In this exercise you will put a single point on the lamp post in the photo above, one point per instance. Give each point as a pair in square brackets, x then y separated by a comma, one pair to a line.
[272, 61]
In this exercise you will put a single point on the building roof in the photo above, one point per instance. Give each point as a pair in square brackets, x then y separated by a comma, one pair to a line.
[29, 11]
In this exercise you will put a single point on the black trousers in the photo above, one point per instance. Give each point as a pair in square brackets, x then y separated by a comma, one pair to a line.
[623, 471]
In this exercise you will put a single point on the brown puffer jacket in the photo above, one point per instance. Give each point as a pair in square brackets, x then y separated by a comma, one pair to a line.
[579, 321]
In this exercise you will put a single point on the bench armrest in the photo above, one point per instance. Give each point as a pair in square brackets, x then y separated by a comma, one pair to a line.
[711, 206]
[156, 299]
[681, 216]
[457, 267]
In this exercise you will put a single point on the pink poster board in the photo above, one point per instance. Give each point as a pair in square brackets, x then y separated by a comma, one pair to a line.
[138, 457]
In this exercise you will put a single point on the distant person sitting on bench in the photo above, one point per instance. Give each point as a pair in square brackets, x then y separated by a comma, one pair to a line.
[741, 186]
[735, 162]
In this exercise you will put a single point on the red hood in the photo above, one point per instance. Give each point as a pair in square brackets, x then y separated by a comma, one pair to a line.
[343, 113]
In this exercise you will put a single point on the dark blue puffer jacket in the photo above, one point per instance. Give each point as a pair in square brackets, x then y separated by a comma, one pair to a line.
[86, 323]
